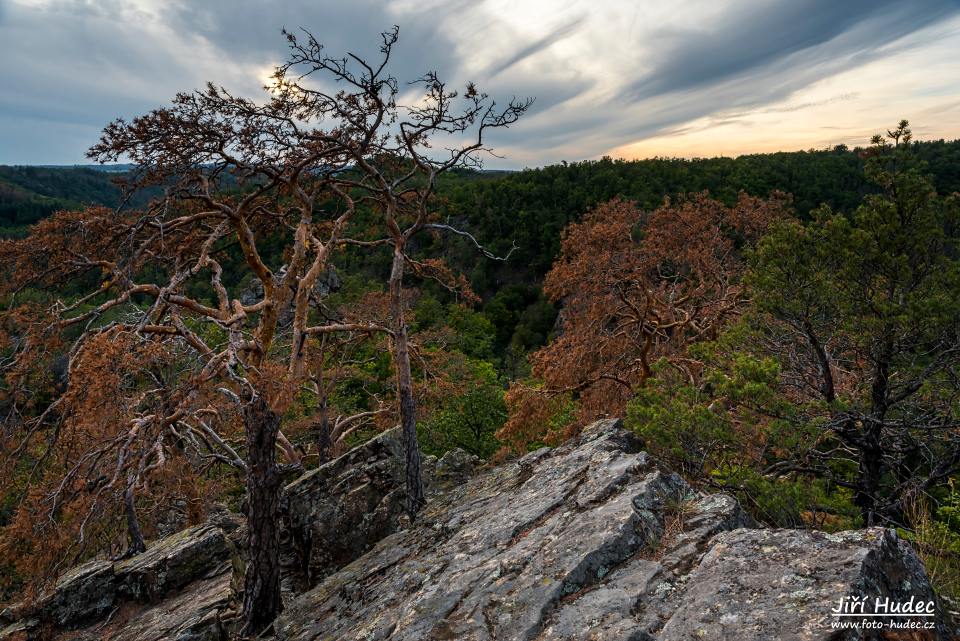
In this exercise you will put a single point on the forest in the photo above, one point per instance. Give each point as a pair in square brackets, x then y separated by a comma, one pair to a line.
[250, 297]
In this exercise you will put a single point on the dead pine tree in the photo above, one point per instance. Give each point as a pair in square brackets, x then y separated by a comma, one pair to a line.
[329, 160]
[395, 173]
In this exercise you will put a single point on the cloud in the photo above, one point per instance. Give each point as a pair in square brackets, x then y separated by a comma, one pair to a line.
[745, 57]
[602, 76]
[563, 31]
[248, 31]
[759, 35]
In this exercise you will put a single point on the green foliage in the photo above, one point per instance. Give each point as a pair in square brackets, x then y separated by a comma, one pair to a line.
[730, 429]
[474, 331]
[935, 535]
[948, 511]
[865, 308]
[468, 420]
[532, 207]
[679, 422]
[28, 194]
[521, 316]
[792, 501]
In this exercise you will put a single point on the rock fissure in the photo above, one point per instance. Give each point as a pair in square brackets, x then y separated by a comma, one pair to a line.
[590, 541]
[551, 510]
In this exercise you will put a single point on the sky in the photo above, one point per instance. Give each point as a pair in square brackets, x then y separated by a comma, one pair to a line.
[624, 78]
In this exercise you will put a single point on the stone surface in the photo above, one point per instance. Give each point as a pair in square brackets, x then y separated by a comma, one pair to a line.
[198, 613]
[98, 596]
[784, 584]
[453, 468]
[590, 541]
[80, 595]
[497, 556]
[173, 562]
[594, 541]
[335, 513]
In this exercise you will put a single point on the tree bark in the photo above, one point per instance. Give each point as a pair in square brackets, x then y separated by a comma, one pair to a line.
[871, 471]
[408, 409]
[871, 450]
[324, 442]
[137, 544]
[261, 586]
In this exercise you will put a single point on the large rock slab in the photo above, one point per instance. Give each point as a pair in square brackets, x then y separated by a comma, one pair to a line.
[594, 541]
[335, 513]
[82, 594]
[184, 586]
[96, 598]
[498, 557]
[200, 612]
[173, 562]
[785, 584]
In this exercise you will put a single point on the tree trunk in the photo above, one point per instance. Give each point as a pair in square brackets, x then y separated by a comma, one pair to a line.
[871, 451]
[137, 544]
[261, 586]
[871, 471]
[324, 442]
[408, 410]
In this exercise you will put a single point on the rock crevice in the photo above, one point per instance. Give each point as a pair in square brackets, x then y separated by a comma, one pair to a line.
[590, 541]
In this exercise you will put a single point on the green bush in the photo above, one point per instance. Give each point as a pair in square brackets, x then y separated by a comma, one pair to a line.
[469, 420]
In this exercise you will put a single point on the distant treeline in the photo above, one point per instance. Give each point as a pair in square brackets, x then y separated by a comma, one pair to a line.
[529, 208]
[29, 193]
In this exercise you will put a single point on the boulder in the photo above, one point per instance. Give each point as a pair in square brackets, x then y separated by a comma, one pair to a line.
[102, 592]
[453, 468]
[327, 283]
[595, 541]
[335, 513]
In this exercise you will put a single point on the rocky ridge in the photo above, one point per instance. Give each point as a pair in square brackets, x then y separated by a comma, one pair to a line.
[592, 540]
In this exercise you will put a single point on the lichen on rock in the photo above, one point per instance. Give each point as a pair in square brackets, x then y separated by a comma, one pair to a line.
[589, 541]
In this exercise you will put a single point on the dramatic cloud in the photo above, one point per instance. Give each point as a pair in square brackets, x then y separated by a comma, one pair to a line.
[622, 77]
[538, 45]
[761, 35]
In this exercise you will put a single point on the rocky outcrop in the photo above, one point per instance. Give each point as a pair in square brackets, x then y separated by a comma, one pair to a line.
[194, 565]
[763, 584]
[592, 541]
[331, 516]
[336, 512]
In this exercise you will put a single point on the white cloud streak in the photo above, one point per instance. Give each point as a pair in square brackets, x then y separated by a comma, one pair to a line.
[691, 77]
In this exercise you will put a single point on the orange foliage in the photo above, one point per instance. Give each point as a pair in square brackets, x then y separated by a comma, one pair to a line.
[163, 355]
[634, 287]
[99, 443]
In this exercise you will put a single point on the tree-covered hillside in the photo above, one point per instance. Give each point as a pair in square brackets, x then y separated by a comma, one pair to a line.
[531, 207]
[28, 193]
[523, 213]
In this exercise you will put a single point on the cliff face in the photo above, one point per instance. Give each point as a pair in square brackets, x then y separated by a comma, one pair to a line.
[591, 540]
[178, 589]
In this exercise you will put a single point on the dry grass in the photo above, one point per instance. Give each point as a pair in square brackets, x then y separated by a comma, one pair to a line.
[937, 545]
